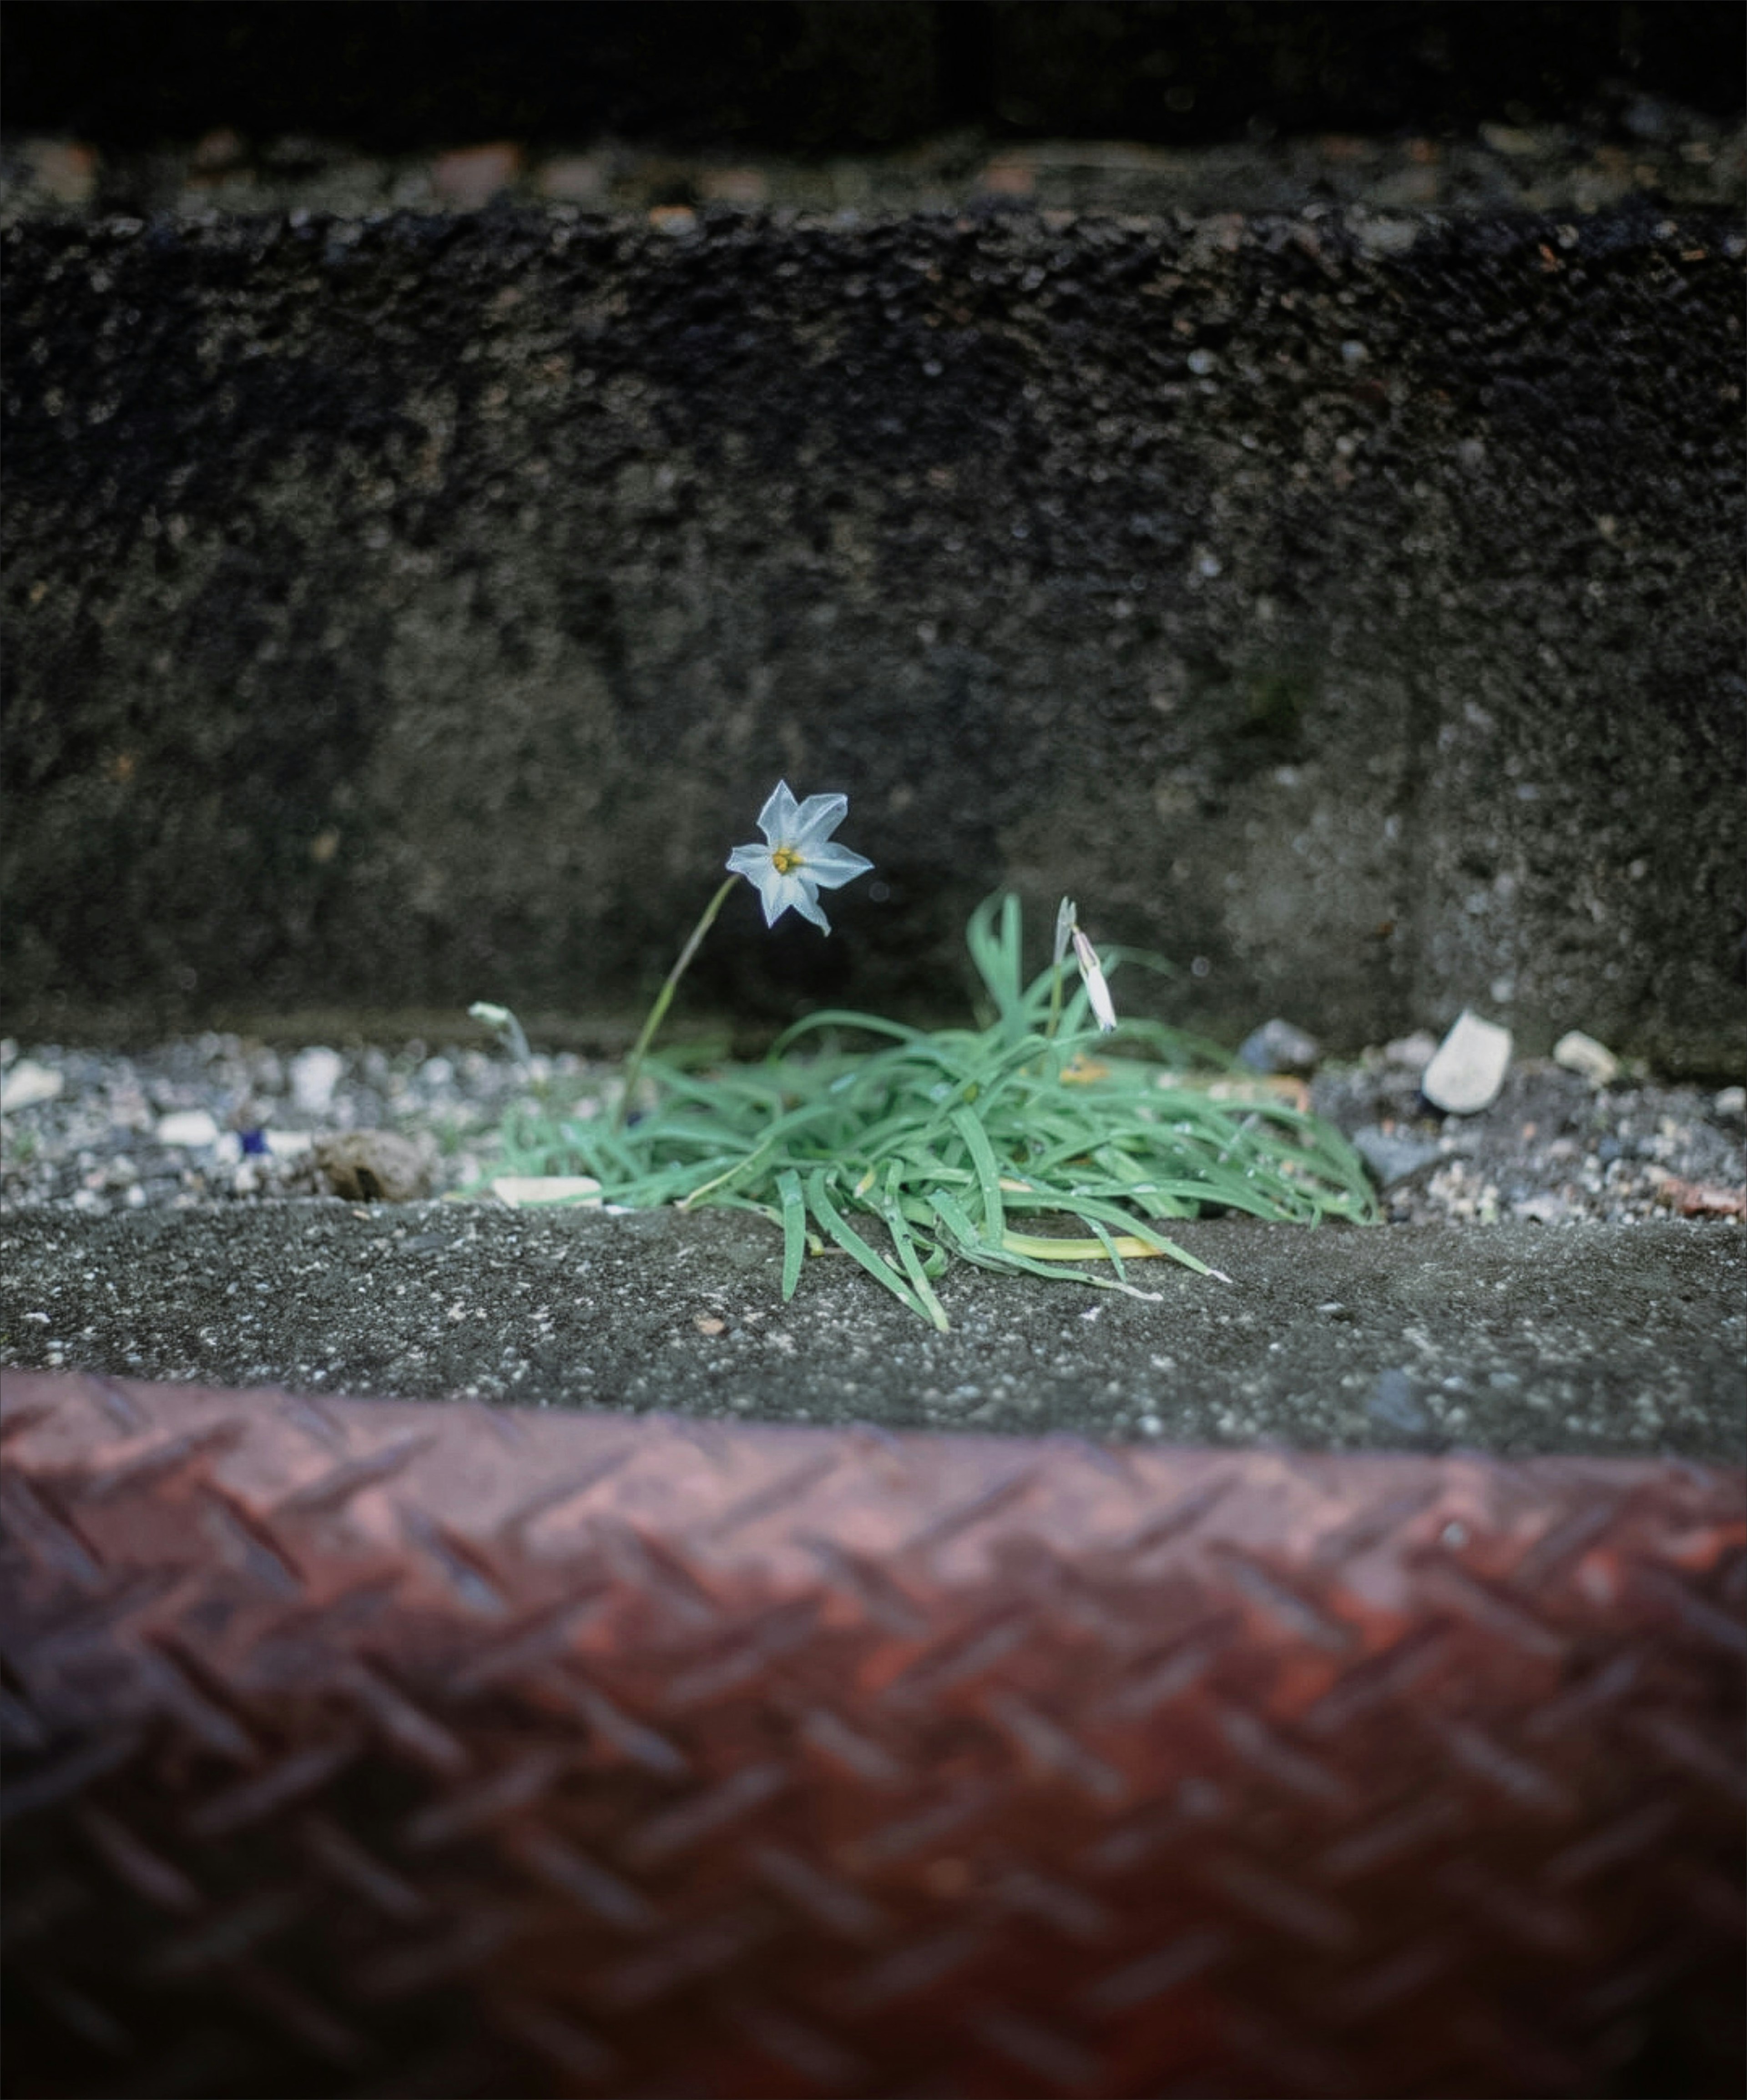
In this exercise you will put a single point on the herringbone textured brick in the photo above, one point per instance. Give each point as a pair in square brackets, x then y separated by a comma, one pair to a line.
[364, 1748]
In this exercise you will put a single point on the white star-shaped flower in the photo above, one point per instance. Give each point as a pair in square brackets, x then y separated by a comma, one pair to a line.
[797, 859]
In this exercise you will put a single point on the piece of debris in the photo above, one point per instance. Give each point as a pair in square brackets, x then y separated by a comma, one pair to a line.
[1397, 1410]
[1697, 1199]
[315, 1073]
[1466, 1075]
[1277, 1045]
[1580, 1053]
[1549, 1208]
[582, 178]
[470, 176]
[26, 1084]
[1411, 1052]
[373, 1167]
[1391, 1157]
[192, 1129]
[526, 1191]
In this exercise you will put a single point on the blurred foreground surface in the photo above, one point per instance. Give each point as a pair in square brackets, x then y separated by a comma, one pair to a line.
[356, 1748]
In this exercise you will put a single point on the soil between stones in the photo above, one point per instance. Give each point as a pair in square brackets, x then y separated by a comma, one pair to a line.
[1593, 1339]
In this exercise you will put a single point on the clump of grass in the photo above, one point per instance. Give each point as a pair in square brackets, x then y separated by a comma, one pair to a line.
[1012, 1145]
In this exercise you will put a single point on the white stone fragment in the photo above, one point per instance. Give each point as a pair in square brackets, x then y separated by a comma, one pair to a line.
[315, 1073]
[288, 1143]
[1582, 1053]
[1413, 1052]
[522, 1192]
[27, 1083]
[191, 1127]
[1465, 1075]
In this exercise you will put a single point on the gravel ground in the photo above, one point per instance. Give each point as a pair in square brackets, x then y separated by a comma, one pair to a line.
[1675, 157]
[213, 1116]
[1590, 1300]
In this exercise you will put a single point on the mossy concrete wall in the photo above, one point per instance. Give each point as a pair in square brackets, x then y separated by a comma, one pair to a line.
[405, 611]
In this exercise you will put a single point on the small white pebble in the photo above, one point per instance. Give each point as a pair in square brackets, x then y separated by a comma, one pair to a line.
[315, 1073]
[1583, 1054]
[1469, 1069]
[26, 1084]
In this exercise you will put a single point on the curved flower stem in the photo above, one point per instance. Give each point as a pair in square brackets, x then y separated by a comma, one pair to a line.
[1066, 919]
[1055, 1004]
[664, 998]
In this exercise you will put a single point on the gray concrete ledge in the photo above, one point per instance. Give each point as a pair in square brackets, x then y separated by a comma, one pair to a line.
[1512, 1338]
[405, 611]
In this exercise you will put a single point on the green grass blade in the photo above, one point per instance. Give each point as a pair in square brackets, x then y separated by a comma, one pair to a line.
[1091, 1211]
[988, 1172]
[794, 1230]
[846, 1237]
[902, 1240]
[1112, 1254]
[1029, 1265]
[841, 1017]
[966, 1240]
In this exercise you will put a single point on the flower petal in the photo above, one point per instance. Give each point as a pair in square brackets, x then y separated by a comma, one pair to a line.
[818, 817]
[779, 818]
[784, 893]
[832, 865]
[1097, 991]
[807, 904]
[753, 862]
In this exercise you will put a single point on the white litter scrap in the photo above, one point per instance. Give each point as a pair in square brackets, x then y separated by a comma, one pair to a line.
[190, 1129]
[527, 1191]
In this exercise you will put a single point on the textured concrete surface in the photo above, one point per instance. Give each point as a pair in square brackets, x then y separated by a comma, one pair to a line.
[1513, 1339]
[408, 611]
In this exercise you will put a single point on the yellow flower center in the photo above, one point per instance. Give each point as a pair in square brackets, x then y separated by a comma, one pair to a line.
[784, 859]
